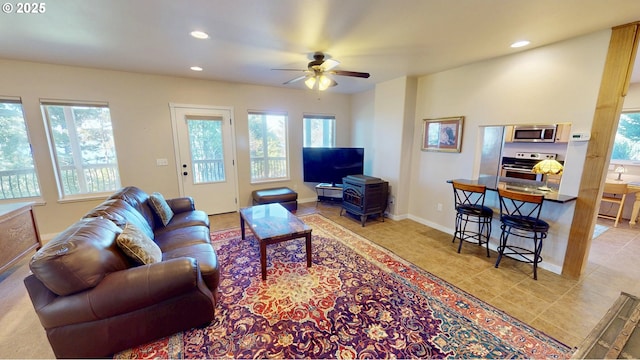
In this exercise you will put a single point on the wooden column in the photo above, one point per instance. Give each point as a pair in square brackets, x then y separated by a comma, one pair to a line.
[613, 89]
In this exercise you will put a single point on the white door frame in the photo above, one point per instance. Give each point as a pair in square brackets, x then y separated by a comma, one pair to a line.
[176, 146]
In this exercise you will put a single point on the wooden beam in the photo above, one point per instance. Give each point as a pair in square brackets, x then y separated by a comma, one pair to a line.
[613, 89]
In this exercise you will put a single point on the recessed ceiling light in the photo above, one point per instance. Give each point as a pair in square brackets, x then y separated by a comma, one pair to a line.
[520, 43]
[199, 34]
[196, 68]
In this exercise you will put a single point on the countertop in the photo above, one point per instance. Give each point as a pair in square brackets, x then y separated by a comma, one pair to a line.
[525, 186]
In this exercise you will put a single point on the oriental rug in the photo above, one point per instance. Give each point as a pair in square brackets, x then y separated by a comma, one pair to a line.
[357, 300]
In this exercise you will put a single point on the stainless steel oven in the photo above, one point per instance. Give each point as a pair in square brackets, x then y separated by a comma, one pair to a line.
[519, 167]
[515, 173]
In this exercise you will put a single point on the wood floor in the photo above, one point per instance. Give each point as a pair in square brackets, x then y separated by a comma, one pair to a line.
[565, 309]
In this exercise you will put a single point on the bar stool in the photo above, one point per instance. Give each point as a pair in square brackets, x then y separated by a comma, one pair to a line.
[520, 217]
[469, 203]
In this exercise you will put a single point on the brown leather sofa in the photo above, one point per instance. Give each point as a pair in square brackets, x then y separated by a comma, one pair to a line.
[93, 300]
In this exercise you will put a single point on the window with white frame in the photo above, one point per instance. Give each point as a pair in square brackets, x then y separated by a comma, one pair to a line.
[18, 178]
[268, 146]
[82, 147]
[319, 131]
[626, 148]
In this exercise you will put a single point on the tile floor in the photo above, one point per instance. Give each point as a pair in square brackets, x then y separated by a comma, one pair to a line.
[565, 309]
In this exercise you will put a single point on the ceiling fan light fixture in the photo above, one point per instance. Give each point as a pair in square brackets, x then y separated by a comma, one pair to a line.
[324, 82]
[310, 82]
[316, 76]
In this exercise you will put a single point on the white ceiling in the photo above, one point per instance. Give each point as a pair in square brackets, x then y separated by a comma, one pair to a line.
[388, 39]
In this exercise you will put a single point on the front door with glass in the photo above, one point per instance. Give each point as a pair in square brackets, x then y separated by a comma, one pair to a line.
[205, 158]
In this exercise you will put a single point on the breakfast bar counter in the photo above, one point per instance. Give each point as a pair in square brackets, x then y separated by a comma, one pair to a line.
[557, 211]
[526, 186]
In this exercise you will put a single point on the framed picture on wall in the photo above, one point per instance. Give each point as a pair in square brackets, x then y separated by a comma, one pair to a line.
[443, 134]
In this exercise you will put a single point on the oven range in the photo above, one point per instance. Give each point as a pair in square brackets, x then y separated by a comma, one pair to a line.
[519, 167]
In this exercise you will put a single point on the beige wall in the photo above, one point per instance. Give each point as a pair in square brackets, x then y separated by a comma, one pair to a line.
[139, 105]
[394, 108]
[556, 83]
[362, 118]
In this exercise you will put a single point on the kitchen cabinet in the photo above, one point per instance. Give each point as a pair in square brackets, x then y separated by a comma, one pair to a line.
[508, 133]
[563, 133]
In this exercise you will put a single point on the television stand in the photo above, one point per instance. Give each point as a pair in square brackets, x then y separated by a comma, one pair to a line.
[329, 192]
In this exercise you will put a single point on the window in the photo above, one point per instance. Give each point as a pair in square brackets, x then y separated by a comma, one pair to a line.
[18, 177]
[82, 147]
[206, 146]
[319, 131]
[268, 146]
[627, 143]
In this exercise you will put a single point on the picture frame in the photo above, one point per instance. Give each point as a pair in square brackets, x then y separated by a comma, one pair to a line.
[442, 134]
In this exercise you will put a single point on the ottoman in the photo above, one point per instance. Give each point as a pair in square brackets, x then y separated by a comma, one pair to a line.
[285, 196]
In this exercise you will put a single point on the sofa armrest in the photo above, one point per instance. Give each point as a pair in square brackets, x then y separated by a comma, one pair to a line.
[183, 204]
[124, 291]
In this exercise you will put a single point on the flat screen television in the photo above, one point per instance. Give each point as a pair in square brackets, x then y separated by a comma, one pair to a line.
[330, 165]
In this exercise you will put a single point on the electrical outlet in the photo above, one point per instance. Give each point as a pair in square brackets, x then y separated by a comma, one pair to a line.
[439, 206]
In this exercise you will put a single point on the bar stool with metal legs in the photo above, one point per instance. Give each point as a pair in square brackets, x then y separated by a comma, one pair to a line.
[520, 217]
[469, 202]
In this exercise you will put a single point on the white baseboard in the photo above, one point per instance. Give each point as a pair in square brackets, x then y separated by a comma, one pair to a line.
[431, 224]
[396, 217]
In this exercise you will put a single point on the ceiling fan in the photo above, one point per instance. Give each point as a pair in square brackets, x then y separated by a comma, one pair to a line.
[317, 71]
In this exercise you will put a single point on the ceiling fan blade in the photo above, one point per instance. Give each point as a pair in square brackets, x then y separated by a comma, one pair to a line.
[329, 64]
[351, 73]
[295, 79]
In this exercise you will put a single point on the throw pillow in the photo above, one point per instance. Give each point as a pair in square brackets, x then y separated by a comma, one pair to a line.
[138, 246]
[160, 206]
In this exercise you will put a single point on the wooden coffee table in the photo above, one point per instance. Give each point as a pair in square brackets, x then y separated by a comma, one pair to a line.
[272, 223]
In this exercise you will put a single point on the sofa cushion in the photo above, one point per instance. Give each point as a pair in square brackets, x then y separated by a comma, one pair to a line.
[79, 257]
[139, 200]
[138, 246]
[182, 237]
[207, 260]
[161, 208]
[121, 213]
[183, 220]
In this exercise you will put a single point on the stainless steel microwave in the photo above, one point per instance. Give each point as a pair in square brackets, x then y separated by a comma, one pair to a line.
[534, 133]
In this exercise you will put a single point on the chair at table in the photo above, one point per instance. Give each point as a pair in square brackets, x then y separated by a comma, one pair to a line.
[520, 218]
[469, 203]
[614, 194]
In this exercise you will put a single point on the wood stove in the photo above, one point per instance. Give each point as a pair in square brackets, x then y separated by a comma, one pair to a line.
[364, 195]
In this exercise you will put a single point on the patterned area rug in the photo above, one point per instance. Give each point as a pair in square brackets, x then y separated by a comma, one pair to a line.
[358, 300]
